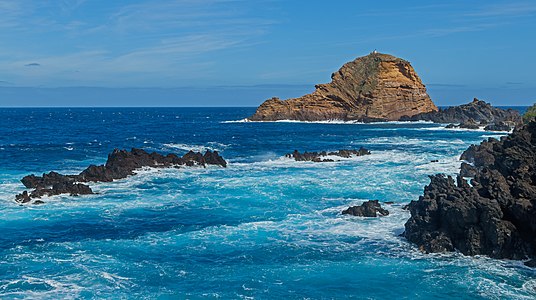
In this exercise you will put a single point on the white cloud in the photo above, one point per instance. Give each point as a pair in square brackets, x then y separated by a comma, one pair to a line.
[513, 9]
[140, 42]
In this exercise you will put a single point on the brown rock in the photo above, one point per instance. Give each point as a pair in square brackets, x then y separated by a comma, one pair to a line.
[376, 87]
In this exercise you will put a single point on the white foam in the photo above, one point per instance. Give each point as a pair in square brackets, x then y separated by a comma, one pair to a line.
[411, 141]
[480, 129]
[332, 121]
[213, 146]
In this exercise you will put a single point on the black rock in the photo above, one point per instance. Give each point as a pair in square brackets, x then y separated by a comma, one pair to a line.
[500, 126]
[369, 209]
[469, 124]
[531, 263]
[478, 111]
[467, 170]
[317, 156]
[213, 158]
[120, 164]
[493, 216]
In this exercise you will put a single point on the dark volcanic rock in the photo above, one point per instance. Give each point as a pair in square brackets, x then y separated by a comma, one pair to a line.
[478, 111]
[469, 124]
[370, 209]
[214, 158]
[493, 216]
[467, 170]
[317, 156]
[500, 126]
[120, 164]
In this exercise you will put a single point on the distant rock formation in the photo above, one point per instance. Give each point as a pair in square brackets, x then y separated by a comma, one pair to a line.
[376, 87]
[318, 156]
[470, 115]
[495, 214]
[369, 209]
[120, 164]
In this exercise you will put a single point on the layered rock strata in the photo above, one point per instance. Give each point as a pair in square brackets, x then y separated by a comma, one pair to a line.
[492, 215]
[120, 164]
[376, 87]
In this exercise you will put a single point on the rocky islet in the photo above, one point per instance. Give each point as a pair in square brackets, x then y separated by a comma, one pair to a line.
[120, 164]
[375, 87]
[323, 155]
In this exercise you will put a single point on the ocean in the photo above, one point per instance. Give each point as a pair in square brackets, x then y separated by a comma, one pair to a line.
[265, 227]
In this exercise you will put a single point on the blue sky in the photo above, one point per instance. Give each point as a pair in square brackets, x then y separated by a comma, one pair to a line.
[240, 52]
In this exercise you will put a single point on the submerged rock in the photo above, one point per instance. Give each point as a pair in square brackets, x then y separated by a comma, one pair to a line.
[470, 115]
[317, 156]
[120, 164]
[376, 87]
[494, 215]
[370, 209]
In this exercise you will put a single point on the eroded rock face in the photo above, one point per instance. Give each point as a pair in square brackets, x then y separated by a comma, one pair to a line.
[494, 215]
[320, 156]
[476, 113]
[120, 164]
[370, 209]
[376, 87]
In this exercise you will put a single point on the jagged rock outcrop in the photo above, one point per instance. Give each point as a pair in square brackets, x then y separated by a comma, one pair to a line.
[318, 156]
[370, 209]
[376, 87]
[494, 215]
[120, 164]
[470, 115]
[498, 126]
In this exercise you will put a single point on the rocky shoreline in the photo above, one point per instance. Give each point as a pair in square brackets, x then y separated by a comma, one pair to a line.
[120, 164]
[494, 213]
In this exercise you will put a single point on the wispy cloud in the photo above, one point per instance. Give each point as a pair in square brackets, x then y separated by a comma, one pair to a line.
[512, 9]
[11, 11]
[171, 38]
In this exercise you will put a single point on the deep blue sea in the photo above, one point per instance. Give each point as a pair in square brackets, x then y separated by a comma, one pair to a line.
[265, 227]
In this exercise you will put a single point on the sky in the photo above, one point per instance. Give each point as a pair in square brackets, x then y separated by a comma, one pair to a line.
[241, 52]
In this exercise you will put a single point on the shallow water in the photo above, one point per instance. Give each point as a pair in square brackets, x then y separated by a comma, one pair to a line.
[265, 227]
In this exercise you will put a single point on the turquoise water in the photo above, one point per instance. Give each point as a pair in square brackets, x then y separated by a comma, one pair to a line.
[265, 227]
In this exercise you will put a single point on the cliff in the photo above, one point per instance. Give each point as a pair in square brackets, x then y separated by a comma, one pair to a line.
[375, 87]
[495, 214]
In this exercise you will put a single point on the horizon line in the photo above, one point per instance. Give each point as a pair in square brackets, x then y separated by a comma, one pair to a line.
[71, 107]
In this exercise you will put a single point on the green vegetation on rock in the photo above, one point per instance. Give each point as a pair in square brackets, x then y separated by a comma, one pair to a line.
[530, 114]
